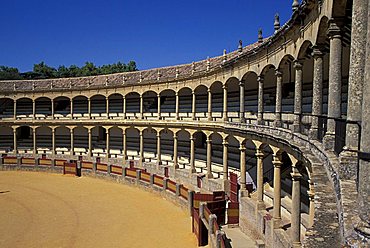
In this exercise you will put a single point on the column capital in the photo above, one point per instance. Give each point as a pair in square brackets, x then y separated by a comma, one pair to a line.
[224, 87]
[225, 143]
[296, 176]
[260, 154]
[241, 83]
[260, 79]
[193, 92]
[175, 136]
[209, 90]
[278, 73]
[335, 30]
[298, 64]
[317, 52]
[209, 140]
[242, 148]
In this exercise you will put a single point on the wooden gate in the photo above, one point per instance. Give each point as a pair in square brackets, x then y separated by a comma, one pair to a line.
[70, 169]
[199, 229]
[218, 208]
[233, 206]
[234, 187]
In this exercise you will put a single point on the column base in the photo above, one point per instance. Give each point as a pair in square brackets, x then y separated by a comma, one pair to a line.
[329, 141]
[314, 133]
[348, 164]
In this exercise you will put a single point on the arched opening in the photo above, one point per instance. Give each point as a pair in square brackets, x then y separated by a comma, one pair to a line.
[24, 107]
[115, 105]
[99, 141]
[98, 106]
[269, 93]
[44, 140]
[167, 147]
[42, 107]
[185, 103]
[233, 98]
[133, 143]
[6, 137]
[250, 96]
[80, 140]
[132, 105]
[150, 145]
[150, 101]
[183, 149]
[201, 101]
[115, 142]
[6, 108]
[217, 100]
[217, 154]
[200, 144]
[62, 107]
[24, 139]
[168, 104]
[80, 106]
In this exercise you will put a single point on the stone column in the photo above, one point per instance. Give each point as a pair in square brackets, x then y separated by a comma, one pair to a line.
[141, 148]
[15, 140]
[34, 141]
[296, 208]
[192, 154]
[124, 146]
[260, 203]
[277, 191]
[107, 143]
[72, 147]
[335, 82]
[260, 80]
[364, 164]
[225, 158]
[90, 142]
[33, 109]
[15, 109]
[224, 114]
[311, 196]
[209, 104]
[107, 107]
[177, 106]
[349, 157]
[71, 108]
[209, 157]
[159, 106]
[124, 107]
[279, 97]
[175, 157]
[89, 107]
[159, 155]
[193, 106]
[242, 100]
[52, 109]
[297, 96]
[243, 170]
[318, 75]
[141, 107]
[53, 141]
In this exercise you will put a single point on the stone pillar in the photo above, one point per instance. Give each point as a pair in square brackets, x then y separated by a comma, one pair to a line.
[318, 76]
[141, 148]
[34, 141]
[296, 208]
[175, 157]
[277, 191]
[348, 158]
[242, 100]
[243, 170]
[335, 82]
[193, 106]
[209, 157]
[159, 106]
[107, 107]
[124, 146]
[311, 196]
[107, 143]
[89, 107]
[209, 105]
[297, 96]
[279, 97]
[15, 109]
[90, 142]
[177, 106]
[260, 203]
[53, 141]
[33, 109]
[71, 110]
[124, 107]
[192, 154]
[364, 164]
[72, 147]
[15, 140]
[141, 107]
[225, 158]
[260, 80]
[159, 156]
[52, 109]
[224, 114]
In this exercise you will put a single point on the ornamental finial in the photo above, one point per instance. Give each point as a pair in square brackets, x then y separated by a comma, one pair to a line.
[260, 37]
[295, 5]
[277, 22]
[240, 47]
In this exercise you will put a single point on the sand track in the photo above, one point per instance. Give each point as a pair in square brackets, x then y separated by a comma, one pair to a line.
[49, 210]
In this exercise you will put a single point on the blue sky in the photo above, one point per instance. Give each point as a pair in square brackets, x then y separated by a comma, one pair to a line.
[152, 33]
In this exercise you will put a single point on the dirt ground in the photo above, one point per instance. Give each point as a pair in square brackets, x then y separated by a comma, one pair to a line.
[49, 210]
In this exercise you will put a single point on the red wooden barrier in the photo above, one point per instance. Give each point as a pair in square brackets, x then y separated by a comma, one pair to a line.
[115, 169]
[145, 176]
[233, 213]
[10, 160]
[158, 180]
[87, 165]
[171, 186]
[70, 169]
[131, 172]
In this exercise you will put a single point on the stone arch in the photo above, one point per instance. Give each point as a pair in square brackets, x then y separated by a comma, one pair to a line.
[217, 99]
[115, 142]
[168, 102]
[250, 94]
[80, 104]
[62, 139]
[233, 153]
[43, 106]
[132, 103]
[269, 91]
[167, 146]
[98, 104]
[24, 106]
[62, 106]
[44, 140]
[24, 138]
[233, 96]
[150, 100]
[80, 140]
[286, 67]
[201, 100]
[6, 107]
[6, 137]
[183, 149]
[115, 103]
[217, 152]
[133, 143]
[150, 143]
[185, 101]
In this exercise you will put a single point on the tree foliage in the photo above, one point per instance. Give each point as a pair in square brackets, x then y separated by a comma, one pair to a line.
[43, 71]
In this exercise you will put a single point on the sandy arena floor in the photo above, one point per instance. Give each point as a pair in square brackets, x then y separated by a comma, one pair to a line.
[49, 210]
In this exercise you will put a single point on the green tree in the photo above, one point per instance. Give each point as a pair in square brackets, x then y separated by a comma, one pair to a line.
[44, 70]
[9, 73]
